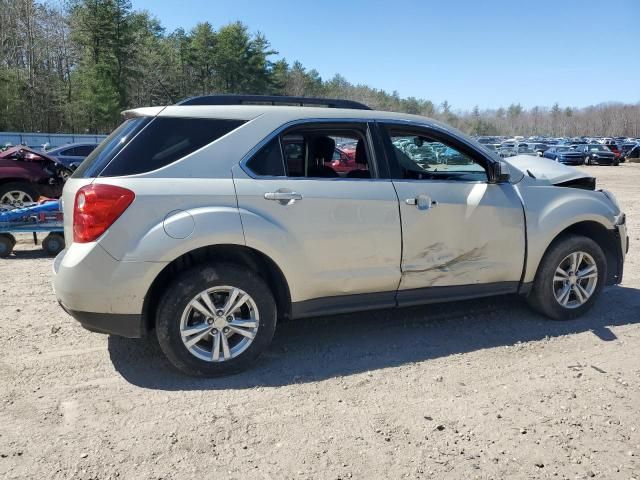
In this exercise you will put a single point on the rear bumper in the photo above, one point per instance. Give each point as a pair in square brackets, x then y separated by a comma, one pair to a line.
[124, 325]
[105, 295]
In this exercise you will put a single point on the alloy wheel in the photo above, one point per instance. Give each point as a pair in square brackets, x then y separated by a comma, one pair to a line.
[575, 280]
[16, 198]
[219, 324]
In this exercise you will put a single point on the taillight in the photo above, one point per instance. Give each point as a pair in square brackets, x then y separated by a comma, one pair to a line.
[96, 208]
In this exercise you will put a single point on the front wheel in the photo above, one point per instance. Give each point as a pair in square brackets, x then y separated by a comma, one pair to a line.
[215, 319]
[569, 279]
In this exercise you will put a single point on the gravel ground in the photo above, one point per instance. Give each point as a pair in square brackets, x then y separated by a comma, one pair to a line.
[482, 389]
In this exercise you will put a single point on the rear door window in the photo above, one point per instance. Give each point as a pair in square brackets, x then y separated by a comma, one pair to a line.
[83, 150]
[317, 151]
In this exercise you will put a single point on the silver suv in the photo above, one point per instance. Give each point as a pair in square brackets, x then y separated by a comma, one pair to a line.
[209, 220]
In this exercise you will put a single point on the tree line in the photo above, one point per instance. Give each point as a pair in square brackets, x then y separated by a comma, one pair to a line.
[74, 67]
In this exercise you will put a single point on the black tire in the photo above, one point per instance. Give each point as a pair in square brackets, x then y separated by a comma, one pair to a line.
[53, 244]
[19, 187]
[185, 288]
[7, 242]
[542, 296]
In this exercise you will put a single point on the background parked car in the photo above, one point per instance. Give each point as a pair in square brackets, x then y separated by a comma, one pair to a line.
[630, 150]
[597, 154]
[73, 154]
[615, 149]
[525, 149]
[26, 174]
[343, 161]
[538, 148]
[564, 154]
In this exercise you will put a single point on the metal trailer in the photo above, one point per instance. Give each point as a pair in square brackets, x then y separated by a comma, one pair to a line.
[37, 218]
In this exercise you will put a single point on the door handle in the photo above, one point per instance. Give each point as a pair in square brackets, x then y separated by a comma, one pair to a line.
[284, 197]
[422, 202]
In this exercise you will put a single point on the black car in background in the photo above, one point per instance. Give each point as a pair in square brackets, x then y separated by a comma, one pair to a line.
[597, 154]
[564, 154]
[630, 150]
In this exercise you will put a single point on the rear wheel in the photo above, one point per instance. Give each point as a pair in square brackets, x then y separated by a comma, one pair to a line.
[7, 242]
[17, 194]
[53, 244]
[215, 320]
[569, 278]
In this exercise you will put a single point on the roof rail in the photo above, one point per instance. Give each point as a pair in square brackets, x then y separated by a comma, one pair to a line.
[272, 100]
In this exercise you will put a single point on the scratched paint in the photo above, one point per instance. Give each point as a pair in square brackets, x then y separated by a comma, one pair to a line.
[438, 265]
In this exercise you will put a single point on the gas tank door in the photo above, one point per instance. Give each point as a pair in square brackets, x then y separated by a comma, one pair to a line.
[178, 224]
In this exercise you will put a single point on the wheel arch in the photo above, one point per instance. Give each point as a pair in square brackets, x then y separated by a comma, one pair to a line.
[241, 255]
[4, 180]
[604, 237]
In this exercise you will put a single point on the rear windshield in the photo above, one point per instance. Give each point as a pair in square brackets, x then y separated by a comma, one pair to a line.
[148, 144]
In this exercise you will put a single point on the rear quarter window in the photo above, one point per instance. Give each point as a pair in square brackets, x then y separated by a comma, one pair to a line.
[110, 147]
[165, 140]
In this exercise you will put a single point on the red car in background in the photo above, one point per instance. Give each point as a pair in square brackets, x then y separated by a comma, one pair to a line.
[344, 160]
[615, 150]
[26, 175]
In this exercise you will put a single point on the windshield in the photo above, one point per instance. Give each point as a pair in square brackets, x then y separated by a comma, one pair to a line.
[598, 148]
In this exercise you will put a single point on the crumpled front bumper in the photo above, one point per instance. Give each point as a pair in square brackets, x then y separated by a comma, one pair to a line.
[622, 239]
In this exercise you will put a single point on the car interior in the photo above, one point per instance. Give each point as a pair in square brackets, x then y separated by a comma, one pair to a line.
[326, 154]
[422, 158]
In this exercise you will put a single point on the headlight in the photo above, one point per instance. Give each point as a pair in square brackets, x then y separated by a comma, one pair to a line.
[612, 198]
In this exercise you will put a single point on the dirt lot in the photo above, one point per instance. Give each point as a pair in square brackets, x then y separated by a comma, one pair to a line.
[482, 389]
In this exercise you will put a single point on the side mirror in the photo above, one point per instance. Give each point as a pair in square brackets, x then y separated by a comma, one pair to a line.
[501, 173]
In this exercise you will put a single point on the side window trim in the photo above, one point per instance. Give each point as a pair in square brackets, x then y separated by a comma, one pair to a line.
[373, 150]
[385, 127]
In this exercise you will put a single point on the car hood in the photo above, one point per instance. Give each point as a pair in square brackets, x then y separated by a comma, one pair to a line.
[546, 170]
[602, 154]
[31, 155]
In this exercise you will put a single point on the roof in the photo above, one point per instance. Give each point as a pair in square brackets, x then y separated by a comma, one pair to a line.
[285, 113]
[232, 99]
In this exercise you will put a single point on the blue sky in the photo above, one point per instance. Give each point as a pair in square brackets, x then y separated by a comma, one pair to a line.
[469, 52]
